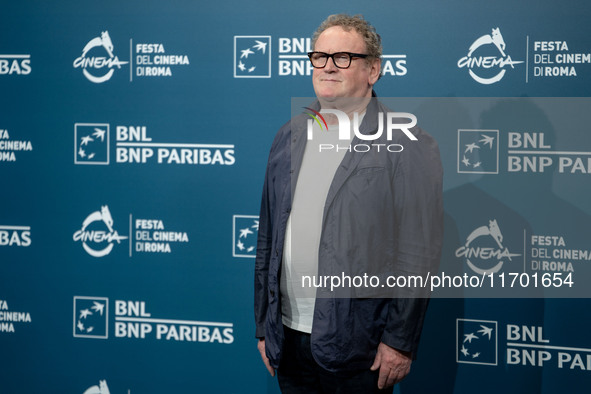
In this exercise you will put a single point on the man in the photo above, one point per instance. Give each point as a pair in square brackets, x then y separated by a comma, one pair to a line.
[350, 210]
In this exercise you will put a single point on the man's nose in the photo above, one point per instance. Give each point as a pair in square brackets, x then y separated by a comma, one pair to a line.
[330, 65]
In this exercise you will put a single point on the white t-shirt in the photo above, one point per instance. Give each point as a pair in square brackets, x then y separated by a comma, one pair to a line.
[304, 225]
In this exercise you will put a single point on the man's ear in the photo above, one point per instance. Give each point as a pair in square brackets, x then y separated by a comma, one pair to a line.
[375, 68]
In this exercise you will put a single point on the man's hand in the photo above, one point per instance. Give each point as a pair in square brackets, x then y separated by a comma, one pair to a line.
[261, 346]
[393, 365]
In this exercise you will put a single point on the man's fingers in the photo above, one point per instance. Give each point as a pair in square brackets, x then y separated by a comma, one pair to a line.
[383, 378]
[261, 347]
[376, 362]
[389, 377]
[393, 364]
[269, 367]
[394, 377]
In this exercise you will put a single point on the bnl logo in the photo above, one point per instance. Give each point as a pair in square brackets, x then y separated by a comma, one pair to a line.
[476, 342]
[245, 230]
[252, 56]
[478, 151]
[91, 143]
[91, 317]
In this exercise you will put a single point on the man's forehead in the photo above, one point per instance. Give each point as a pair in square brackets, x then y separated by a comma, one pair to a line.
[337, 35]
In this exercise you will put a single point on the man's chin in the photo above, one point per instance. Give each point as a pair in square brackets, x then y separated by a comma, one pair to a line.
[329, 96]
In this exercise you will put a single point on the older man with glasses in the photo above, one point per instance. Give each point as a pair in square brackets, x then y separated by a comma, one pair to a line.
[356, 210]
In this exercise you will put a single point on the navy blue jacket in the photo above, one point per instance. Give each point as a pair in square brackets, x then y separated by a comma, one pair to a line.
[383, 215]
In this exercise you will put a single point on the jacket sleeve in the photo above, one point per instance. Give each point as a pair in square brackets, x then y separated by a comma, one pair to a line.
[267, 230]
[418, 194]
[263, 256]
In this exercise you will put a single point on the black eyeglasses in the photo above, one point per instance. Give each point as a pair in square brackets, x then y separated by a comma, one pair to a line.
[340, 59]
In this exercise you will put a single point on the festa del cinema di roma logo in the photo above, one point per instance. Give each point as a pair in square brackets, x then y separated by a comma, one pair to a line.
[95, 66]
[483, 245]
[97, 235]
[481, 68]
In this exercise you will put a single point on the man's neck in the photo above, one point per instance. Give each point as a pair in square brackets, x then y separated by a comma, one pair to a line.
[348, 105]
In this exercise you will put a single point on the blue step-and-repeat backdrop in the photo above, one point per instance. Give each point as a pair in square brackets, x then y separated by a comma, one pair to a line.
[133, 142]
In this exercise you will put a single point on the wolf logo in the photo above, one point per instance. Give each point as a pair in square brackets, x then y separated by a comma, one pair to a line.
[469, 251]
[98, 62]
[102, 388]
[479, 62]
[104, 40]
[107, 218]
[493, 230]
[494, 38]
[90, 238]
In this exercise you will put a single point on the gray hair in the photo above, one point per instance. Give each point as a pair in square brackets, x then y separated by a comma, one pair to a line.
[372, 39]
